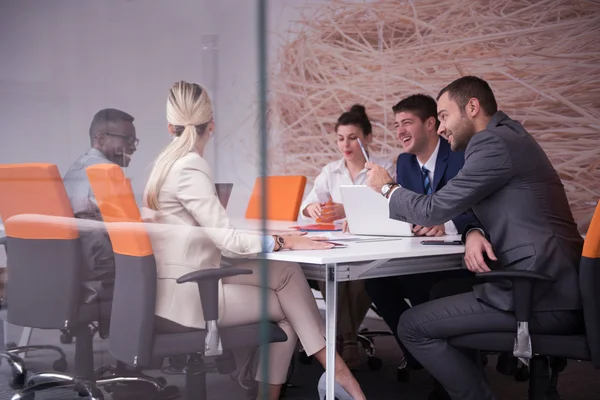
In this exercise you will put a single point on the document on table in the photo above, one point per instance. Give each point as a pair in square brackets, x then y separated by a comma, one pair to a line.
[347, 237]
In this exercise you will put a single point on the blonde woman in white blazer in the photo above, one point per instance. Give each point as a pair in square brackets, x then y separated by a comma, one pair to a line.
[181, 191]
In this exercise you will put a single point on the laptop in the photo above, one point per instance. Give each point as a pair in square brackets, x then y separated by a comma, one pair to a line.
[224, 192]
[368, 213]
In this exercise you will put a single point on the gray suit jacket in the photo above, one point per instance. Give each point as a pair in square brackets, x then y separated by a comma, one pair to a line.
[517, 195]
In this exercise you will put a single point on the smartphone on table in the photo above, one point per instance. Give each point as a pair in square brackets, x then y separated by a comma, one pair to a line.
[442, 242]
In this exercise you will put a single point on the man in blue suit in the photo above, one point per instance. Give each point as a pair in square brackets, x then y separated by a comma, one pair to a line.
[426, 165]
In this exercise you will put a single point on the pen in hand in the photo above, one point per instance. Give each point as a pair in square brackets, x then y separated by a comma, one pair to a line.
[363, 150]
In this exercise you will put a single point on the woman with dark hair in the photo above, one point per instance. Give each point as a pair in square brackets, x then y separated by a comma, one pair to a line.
[324, 204]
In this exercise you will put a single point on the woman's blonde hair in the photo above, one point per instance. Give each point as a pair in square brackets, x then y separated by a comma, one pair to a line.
[189, 110]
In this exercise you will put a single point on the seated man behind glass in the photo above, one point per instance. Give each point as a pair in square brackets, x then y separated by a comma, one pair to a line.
[113, 141]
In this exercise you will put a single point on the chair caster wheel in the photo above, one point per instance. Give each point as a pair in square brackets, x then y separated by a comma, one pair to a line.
[108, 389]
[66, 339]
[484, 360]
[168, 393]
[178, 362]
[162, 381]
[60, 365]
[507, 364]
[252, 393]
[522, 373]
[18, 381]
[304, 359]
[88, 389]
[374, 363]
[402, 375]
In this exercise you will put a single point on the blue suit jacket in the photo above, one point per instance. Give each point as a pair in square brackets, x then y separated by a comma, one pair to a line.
[447, 165]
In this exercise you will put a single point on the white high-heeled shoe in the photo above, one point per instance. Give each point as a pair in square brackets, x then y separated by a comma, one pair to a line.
[339, 391]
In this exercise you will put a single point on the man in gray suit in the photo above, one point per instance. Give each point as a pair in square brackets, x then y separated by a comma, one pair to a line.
[526, 224]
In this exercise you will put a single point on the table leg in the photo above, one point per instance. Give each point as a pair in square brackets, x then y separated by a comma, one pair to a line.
[330, 326]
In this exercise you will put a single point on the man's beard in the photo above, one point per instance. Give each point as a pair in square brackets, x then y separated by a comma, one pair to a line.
[121, 158]
[462, 134]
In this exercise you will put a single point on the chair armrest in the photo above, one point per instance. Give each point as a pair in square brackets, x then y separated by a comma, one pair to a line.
[4, 241]
[207, 281]
[522, 288]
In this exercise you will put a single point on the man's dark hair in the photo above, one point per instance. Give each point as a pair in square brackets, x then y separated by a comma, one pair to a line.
[422, 105]
[357, 116]
[104, 117]
[468, 87]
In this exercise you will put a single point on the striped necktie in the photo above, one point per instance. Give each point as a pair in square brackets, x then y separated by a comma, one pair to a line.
[426, 181]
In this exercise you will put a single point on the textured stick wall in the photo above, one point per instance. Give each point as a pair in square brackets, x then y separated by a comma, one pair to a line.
[542, 59]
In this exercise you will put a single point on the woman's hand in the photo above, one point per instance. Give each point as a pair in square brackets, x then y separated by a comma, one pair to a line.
[345, 227]
[305, 243]
[332, 212]
[313, 210]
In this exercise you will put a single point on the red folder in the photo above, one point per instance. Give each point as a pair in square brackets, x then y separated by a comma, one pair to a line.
[317, 227]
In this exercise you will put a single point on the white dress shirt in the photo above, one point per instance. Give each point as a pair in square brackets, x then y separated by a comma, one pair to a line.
[335, 174]
[449, 226]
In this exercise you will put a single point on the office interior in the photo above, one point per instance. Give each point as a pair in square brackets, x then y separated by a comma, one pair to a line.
[61, 61]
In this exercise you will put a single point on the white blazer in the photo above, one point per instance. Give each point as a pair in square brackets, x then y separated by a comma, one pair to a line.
[198, 232]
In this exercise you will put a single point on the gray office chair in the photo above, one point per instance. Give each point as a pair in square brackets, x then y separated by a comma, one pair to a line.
[137, 337]
[548, 353]
[44, 271]
[11, 351]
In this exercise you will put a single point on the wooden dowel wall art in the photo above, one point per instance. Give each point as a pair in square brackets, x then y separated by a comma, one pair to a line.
[542, 59]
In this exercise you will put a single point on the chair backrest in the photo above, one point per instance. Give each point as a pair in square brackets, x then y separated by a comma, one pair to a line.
[43, 251]
[132, 317]
[284, 196]
[589, 282]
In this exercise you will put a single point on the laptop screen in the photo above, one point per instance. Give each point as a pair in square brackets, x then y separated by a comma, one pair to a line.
[223, 192]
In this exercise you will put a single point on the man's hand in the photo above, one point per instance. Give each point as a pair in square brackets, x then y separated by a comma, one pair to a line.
[436, 230]
[476, 245]
[332, 212]
[377, 176]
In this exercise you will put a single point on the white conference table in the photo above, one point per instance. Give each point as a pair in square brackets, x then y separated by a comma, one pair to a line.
[360, 260]
[364, 258]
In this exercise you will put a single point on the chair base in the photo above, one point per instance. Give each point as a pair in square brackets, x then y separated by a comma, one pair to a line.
[60, 364]
[509, 365]
[49, 380]
[365, 338]
[18, 371]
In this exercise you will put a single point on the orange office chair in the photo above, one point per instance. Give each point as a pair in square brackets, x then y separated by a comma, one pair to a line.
[138, 337]
[44, 269]
[23, 186]
[284, 196]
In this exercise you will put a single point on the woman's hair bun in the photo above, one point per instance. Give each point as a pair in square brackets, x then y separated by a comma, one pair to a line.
[358, 108]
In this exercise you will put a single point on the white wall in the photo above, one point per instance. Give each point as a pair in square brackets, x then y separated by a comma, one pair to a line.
[63, 60]
[237, 104]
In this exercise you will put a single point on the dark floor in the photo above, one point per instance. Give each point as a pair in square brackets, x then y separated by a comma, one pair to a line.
[578, 382]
